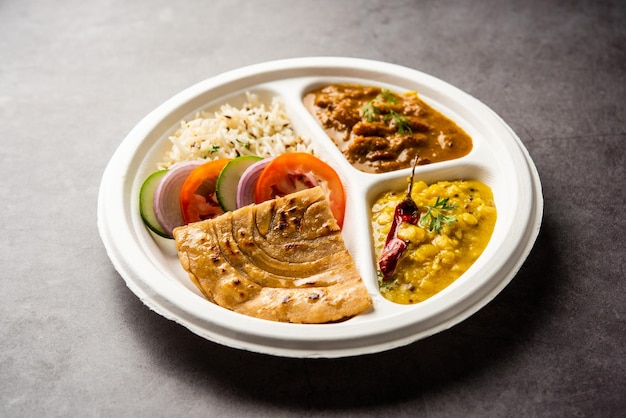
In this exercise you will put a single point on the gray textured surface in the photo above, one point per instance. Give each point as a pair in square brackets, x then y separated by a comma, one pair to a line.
[76, 77]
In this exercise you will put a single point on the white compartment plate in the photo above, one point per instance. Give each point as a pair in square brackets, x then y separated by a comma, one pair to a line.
[150, 267]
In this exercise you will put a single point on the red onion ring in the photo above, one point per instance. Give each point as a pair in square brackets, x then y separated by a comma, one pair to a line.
[245, 189]
[166, 202]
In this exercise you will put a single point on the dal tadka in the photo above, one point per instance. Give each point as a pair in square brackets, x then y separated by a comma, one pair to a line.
[457, 219]
[380, 131]
[281, 260]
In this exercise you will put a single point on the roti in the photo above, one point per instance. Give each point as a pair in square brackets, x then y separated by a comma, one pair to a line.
[282, 260]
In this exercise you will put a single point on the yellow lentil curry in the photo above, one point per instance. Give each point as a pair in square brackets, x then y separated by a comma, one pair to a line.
[380, 131]
[440, 248]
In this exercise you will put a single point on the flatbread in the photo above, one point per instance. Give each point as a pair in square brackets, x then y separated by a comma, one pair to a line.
[282, 260]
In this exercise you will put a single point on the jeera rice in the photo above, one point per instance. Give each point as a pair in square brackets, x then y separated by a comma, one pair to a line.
[253, 129]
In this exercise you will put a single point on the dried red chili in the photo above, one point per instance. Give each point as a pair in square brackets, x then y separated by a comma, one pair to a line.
[406, 211]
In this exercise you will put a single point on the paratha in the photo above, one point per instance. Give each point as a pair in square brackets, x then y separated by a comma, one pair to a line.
[282, 260]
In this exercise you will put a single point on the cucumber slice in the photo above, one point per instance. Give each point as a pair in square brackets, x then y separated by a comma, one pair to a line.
[228, 180]
[146, 202]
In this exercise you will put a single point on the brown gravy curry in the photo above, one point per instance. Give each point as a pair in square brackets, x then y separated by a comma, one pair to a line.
[380, 131]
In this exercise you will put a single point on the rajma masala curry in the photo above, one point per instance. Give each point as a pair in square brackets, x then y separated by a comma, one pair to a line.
[379, 130]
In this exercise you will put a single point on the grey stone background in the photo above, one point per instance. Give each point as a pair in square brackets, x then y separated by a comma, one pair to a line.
[76, 76]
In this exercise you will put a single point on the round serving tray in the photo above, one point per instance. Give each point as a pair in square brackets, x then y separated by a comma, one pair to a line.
[150, 266]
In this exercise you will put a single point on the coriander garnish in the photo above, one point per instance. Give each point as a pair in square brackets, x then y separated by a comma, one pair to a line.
[369, 111]
[372, 109]
[435, 215]
[388, 96]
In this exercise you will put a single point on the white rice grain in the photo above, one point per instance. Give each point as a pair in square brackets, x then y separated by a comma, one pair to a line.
[253, 129]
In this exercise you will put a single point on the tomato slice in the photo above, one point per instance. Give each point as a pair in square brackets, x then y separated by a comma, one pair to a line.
[296, 171]
[197, 195]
